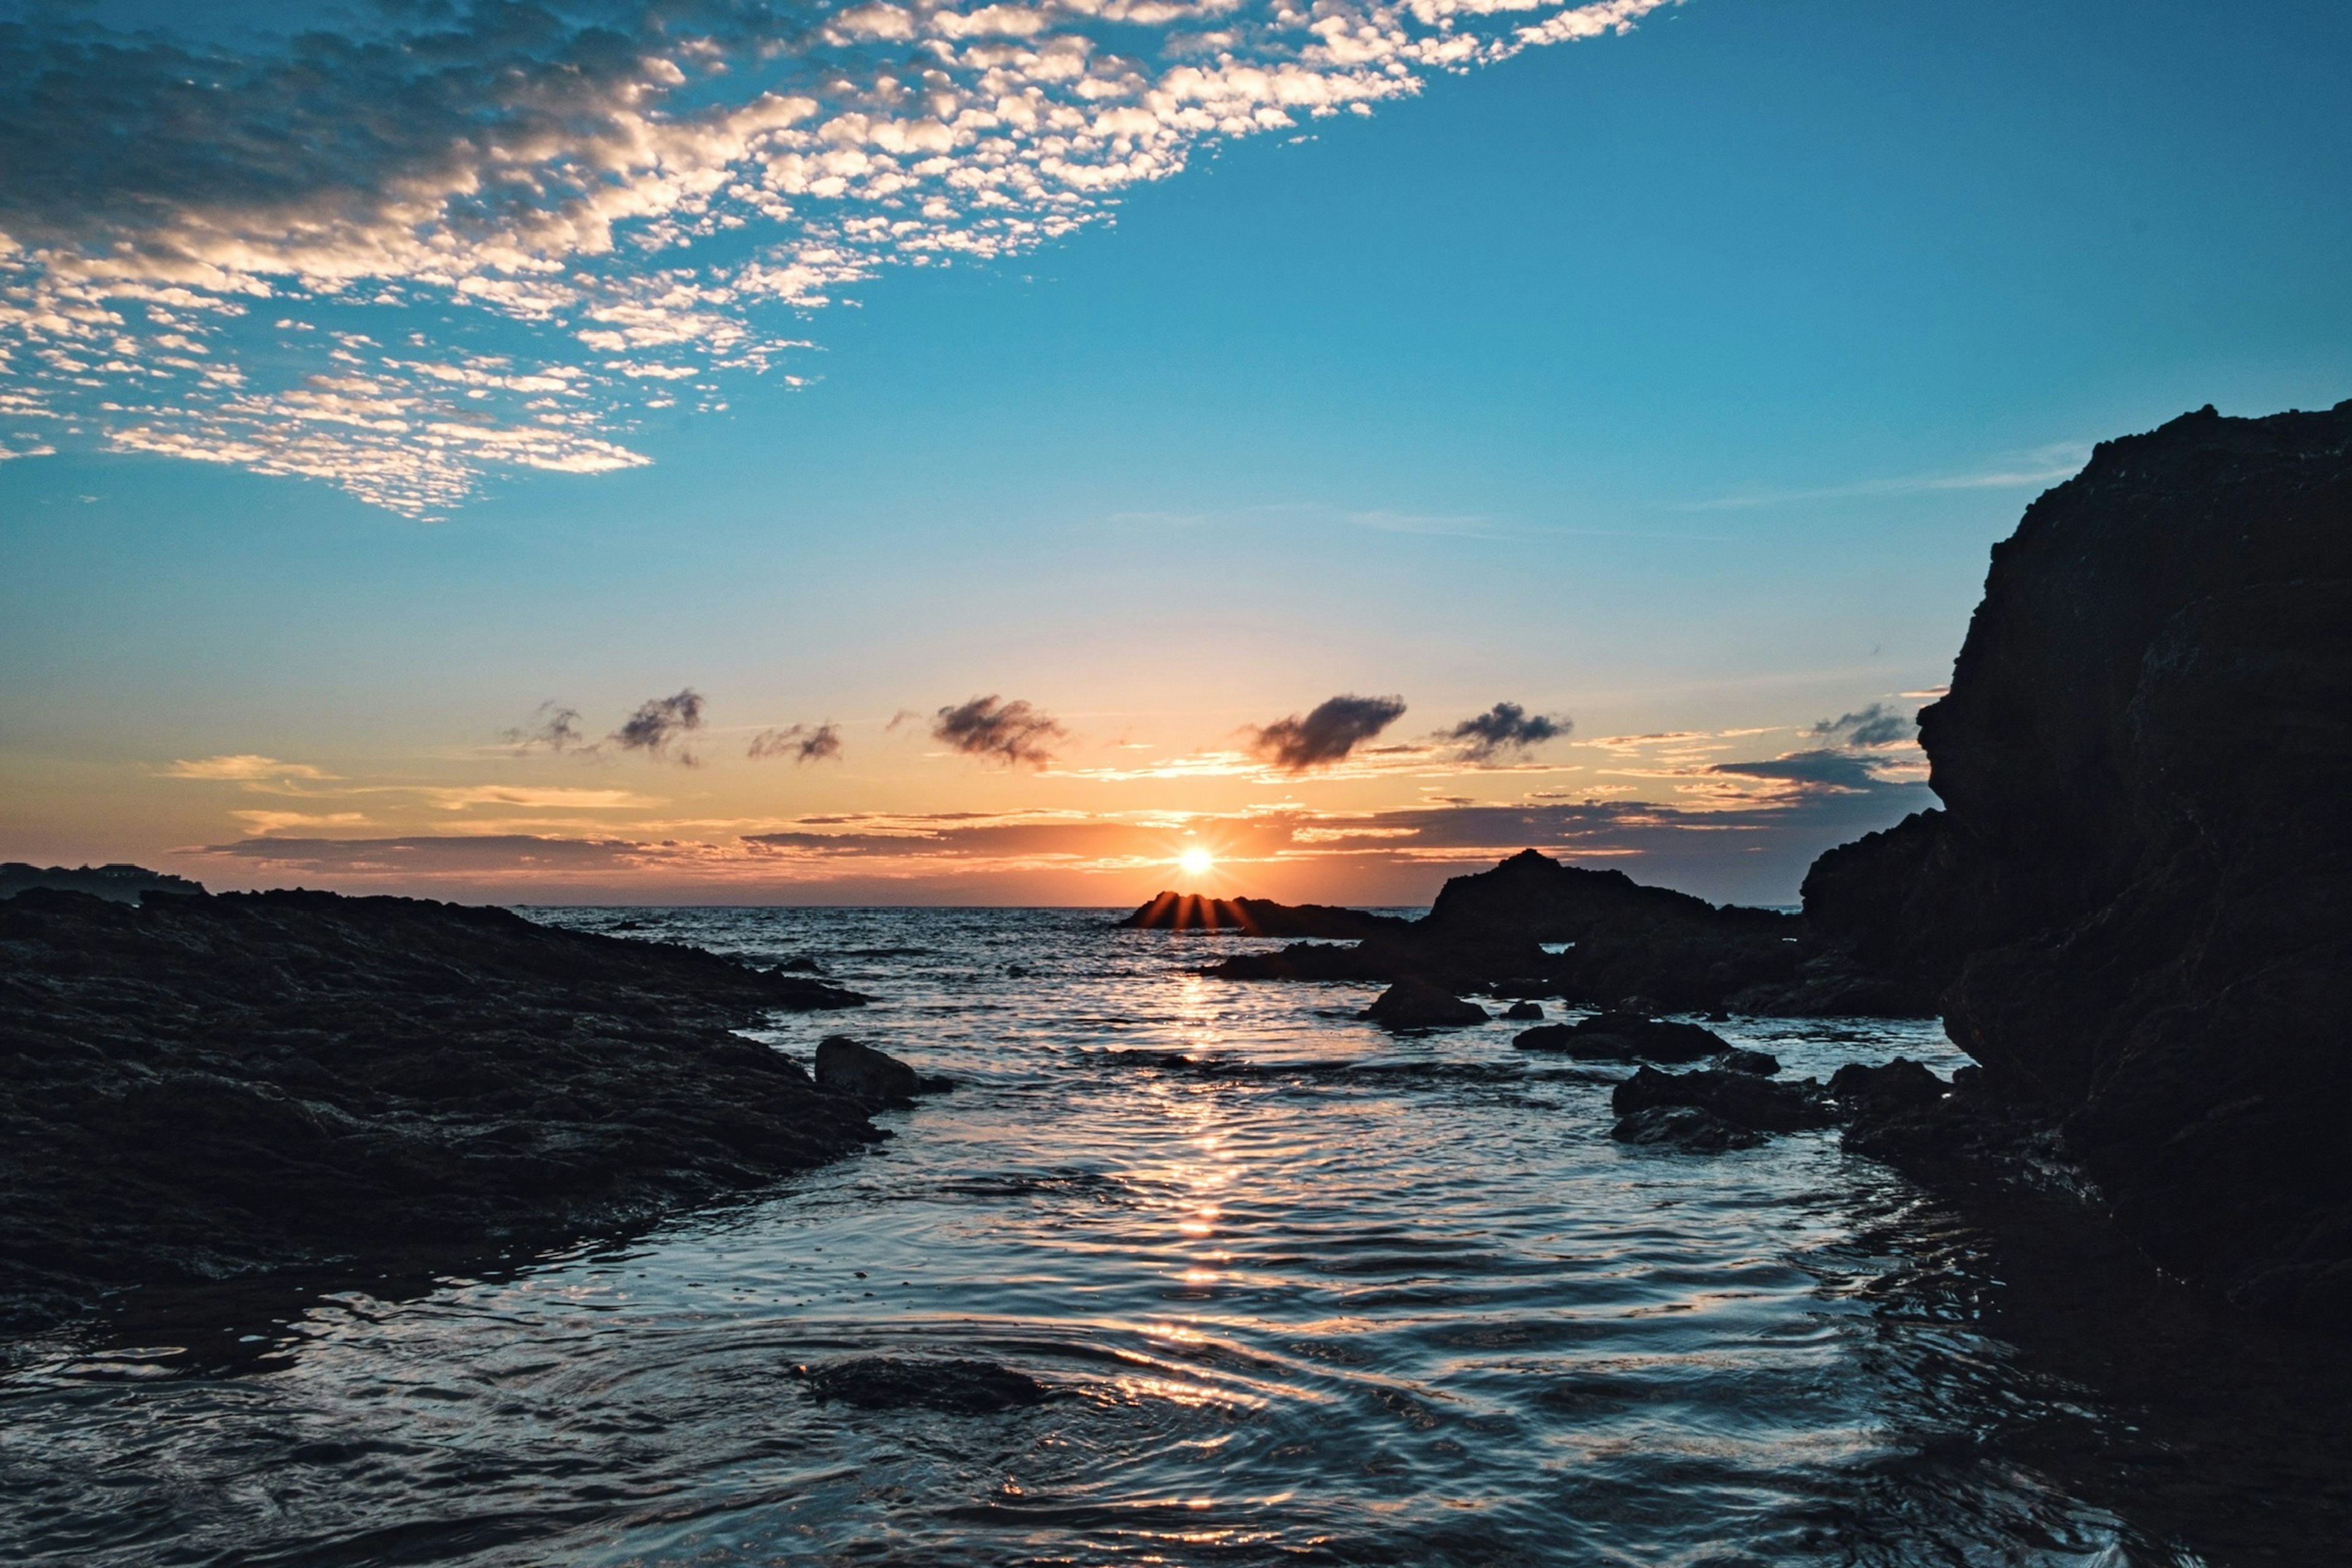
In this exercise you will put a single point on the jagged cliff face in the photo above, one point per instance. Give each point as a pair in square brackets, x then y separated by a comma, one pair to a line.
[2139, 893]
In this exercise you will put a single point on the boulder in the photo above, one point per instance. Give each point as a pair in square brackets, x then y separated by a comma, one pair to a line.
[1763, 1064]
[860, 1071]
[1625, 1036]
[1413, 1003]
[1523, 1012]
[1900, 1085]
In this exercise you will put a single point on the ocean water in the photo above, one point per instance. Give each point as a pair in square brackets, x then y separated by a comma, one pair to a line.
[1341, 1298]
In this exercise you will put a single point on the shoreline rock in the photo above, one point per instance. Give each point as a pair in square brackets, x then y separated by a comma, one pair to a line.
[207, 1087]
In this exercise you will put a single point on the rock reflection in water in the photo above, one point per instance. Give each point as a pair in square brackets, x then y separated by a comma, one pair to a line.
[1300, 1291]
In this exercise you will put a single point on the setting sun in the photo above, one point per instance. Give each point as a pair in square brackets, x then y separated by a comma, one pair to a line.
[1196, 861]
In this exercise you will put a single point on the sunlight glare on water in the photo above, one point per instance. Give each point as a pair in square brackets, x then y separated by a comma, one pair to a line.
[1325, 1295]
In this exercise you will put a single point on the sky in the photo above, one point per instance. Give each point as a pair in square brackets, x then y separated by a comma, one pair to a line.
[704, 451]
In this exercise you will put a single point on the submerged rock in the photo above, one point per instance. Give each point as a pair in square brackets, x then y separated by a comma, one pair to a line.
[1742, 1098]
[1688, 1127]
[1413, 1003]
[897, 1383]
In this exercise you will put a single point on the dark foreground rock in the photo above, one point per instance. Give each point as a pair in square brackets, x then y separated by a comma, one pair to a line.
[2136, 903]
[198, 1088]
[1413, 1003]
[898, 1383]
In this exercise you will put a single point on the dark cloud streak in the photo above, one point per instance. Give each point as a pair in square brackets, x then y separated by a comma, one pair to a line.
[1506, 730]
[802, 742]
[659, 725]
[1327, 735]
[1013, 731]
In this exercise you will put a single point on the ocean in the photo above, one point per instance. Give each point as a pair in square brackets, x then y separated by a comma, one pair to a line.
[1316, 1295]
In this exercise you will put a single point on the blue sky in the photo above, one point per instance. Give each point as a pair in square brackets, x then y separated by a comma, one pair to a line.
[1675, 380]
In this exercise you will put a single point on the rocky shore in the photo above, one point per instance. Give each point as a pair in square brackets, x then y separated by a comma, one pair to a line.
[196, 1088]
[2134, 909]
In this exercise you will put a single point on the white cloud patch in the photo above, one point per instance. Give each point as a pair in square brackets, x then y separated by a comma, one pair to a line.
[287, 261]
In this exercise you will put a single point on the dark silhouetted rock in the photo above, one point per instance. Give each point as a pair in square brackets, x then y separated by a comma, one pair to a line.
[899, 1382]
[1413, 1003]
[1900, 1085]
[1625, 1036]
[196, 1088]
[1674, 953]
[2135, 898]
[1523, 1012]
[1763, 1064]
[860, 1071]
[1742, 1098]
[120, 883]
[1257, 917]
[1691, 1128]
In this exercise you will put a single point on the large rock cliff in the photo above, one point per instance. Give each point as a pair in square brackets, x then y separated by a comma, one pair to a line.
[2135, 901]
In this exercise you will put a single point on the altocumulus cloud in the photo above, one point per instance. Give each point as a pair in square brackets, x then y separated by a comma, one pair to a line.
[801, 742]
[1506, 730]
[398, 254]
[660, 725]
[1327, 735]
[1013, 732]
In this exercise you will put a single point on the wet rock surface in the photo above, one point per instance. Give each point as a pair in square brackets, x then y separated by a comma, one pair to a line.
[1690, 1128]
[1413, 1003]
[1618, 1035]
[860, 1071]
[198, 1088]
[958, 1386]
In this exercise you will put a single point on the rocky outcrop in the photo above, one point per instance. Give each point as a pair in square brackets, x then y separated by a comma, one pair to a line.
[2136, 903]
[194, 1087]
[1617, 940]
[121, 883]
[1257, 917]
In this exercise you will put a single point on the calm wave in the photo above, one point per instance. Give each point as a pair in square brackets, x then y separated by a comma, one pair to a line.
[1325, 1296]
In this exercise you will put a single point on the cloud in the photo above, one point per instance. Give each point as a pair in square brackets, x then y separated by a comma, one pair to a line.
[245, 766]
[1327, 735]
[1755, 849]
[659, 726]
[553, 728]
[985, 727]
[413, 246]
[802, 742]
[1875, 726]
[1506, 730]
[1809, 770]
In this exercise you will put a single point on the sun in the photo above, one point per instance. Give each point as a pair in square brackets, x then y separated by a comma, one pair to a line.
[1196, 861]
